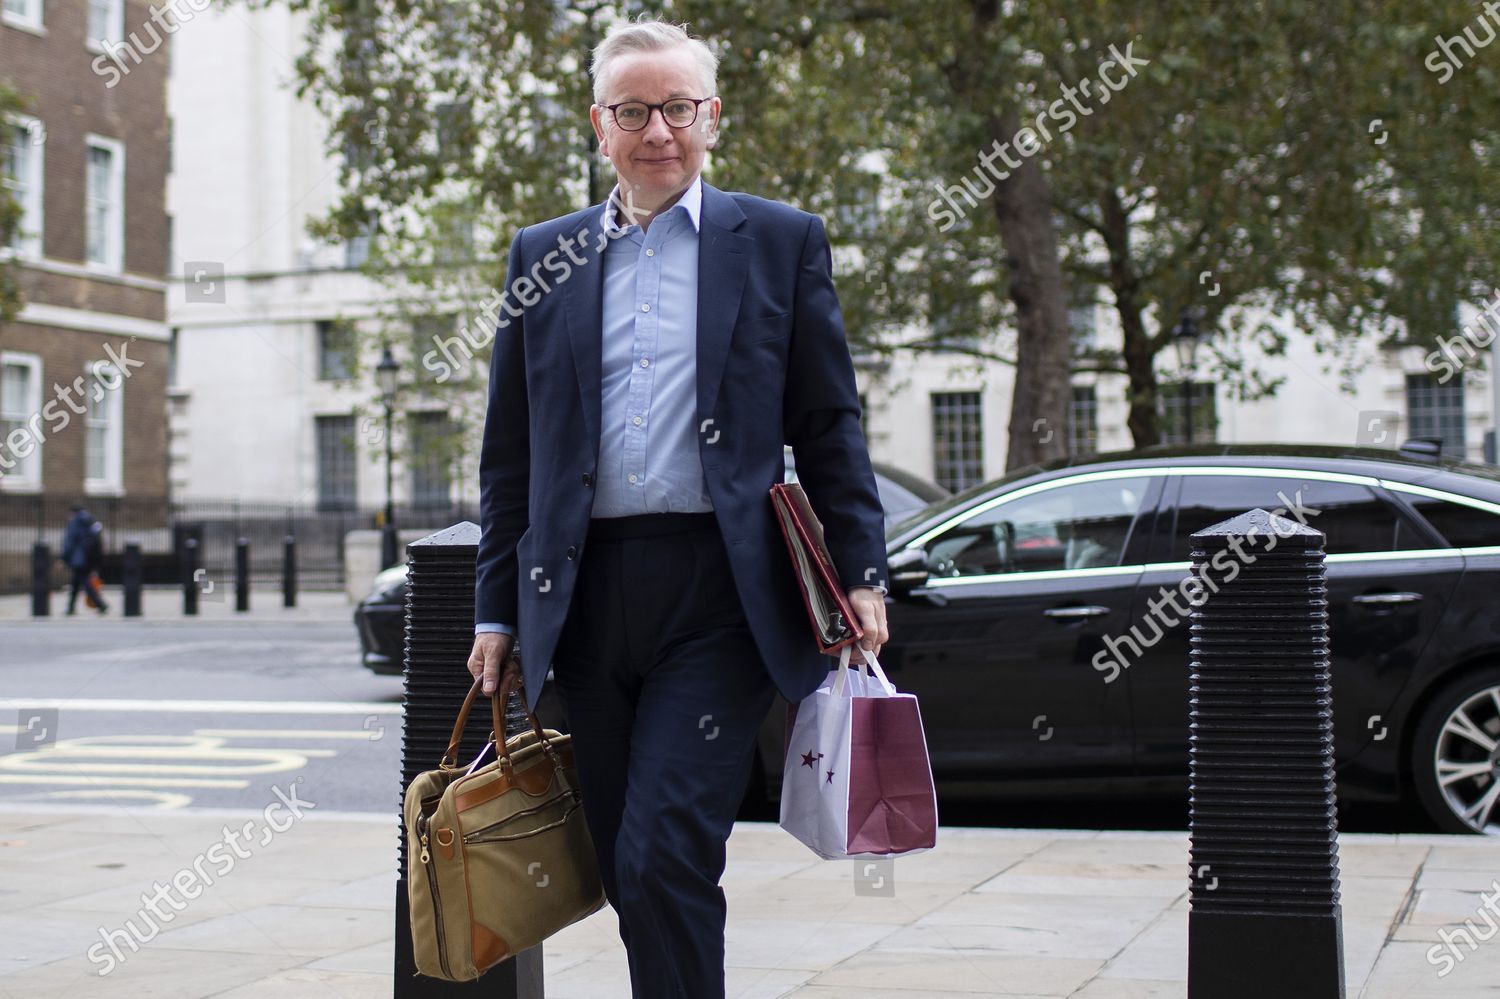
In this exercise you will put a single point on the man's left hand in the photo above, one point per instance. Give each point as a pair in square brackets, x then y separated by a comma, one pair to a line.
[869, 604]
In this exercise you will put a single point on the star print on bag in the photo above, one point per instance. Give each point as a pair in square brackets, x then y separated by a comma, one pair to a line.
[808, 757]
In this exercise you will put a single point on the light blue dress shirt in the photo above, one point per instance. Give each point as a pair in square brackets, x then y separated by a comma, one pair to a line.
[648, 446]
[648, 392]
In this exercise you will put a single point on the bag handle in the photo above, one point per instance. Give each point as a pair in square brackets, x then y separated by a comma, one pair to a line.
[497, 733]
[870, 664]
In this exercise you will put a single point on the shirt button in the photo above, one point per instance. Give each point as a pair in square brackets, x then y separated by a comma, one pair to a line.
[645, 306]
[650, 253]
[636, 420]
[645, 362]
[572, 550]
[632, 477]
[588, 479]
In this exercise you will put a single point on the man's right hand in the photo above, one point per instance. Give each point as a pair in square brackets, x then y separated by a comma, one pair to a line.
[491, 648]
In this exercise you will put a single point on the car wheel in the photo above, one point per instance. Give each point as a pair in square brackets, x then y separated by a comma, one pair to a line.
[1456, 755]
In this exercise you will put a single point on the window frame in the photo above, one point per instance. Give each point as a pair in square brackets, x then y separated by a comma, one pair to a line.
[33, 206]
[322, 502]
[1150, 501]
[1444, 496]
[116, 29]
[956, 400]
[1383, 489]
[31, 481]
[34, 20]
[112, 482]
[114, 235]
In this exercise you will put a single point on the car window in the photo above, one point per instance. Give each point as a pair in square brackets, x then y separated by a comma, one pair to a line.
[1352, 517]
[1463, 526]
[1079, 526]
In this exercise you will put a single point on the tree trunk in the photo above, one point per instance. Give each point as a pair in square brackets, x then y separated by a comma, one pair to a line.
[1138, 350]
[1044, 355]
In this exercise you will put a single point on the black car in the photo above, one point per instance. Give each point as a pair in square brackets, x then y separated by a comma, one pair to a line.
[381, 616]
[1010, 600]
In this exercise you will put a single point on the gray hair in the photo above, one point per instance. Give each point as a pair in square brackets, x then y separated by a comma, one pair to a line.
[630, 37]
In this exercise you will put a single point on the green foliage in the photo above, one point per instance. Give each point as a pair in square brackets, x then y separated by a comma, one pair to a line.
[10, 217]
[1243, 156]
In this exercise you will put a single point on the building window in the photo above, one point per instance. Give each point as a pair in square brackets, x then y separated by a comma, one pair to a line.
[1172, 411]
[22, 177]
[1083, 421]
[1436, 410]
[336, 468]
[957, 440]
[335, 350]
[103, 426]
[22, 13]
[104, 207]
[357, 249]
[106, 23]
[20, 401]
[431, 459]
[1083, 329]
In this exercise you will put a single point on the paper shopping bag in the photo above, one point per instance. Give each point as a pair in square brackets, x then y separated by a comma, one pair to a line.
[857, 780]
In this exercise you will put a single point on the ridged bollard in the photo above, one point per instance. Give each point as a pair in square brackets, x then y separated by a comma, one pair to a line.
[439, 637]
[1265, 917]
[41, 580]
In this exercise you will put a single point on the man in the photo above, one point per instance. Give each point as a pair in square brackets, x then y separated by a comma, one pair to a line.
[82, 550]
[638, 405]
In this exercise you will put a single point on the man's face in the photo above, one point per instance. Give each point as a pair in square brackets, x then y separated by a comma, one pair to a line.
[658, 162]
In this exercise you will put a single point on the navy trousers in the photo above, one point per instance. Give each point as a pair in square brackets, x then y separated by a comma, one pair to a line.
[664, 692]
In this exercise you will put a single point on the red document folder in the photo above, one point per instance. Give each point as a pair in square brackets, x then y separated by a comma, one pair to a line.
[834, 622]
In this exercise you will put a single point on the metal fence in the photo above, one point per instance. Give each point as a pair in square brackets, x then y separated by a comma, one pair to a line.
[160, 525]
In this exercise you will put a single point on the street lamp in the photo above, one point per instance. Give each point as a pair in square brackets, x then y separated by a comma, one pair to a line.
[1185, 338]
[386, 373]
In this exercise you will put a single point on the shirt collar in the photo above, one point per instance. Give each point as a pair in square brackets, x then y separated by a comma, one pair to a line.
[691, 200]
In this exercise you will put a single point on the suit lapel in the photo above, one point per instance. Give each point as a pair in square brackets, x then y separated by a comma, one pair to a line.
[723, 262]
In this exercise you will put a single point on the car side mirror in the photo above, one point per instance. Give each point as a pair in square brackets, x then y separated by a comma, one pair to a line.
[908, 569]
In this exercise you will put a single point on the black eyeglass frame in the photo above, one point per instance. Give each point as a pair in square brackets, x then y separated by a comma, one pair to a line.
[697, 103]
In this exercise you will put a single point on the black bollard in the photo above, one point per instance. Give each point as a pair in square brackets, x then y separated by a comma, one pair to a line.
[439, 637]
[130, 579]
[1265, 918]
[41, 580]
[289, 572]
[242, 575]
[188, 575]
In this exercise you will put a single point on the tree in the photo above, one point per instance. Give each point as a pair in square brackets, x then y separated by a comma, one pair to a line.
[10, 212]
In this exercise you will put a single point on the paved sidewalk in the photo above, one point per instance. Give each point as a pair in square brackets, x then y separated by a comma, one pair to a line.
[163, 604]
[1025, 913]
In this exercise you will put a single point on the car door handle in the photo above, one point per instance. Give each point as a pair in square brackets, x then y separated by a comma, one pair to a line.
[1074, 613]
[1384, 599]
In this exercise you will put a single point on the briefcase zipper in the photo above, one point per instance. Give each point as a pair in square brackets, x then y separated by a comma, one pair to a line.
[469, 837]
[475, 837]
[437, 901]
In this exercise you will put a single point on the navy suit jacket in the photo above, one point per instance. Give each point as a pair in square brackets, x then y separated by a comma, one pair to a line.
[773, 368]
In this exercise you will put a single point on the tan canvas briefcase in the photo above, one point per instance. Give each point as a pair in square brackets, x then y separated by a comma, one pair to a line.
[499, 858]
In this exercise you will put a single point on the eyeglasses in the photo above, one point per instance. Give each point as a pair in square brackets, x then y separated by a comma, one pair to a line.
[679, 112]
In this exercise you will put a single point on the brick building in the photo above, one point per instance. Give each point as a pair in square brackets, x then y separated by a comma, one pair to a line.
[84, 365]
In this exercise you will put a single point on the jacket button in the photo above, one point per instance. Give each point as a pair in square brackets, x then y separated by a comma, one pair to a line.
[572, 550]
[588, 479]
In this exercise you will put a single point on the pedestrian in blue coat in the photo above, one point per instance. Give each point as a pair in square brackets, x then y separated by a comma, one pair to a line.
[82, 550]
